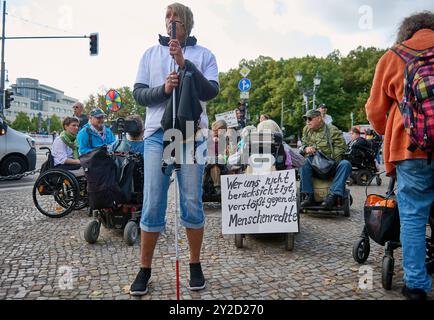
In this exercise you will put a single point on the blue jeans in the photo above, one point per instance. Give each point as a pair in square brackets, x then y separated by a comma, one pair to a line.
[415, 195]
[156, 186]
[343, 171]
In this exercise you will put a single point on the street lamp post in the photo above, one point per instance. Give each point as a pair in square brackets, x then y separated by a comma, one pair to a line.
[308, 92]
[316, 83]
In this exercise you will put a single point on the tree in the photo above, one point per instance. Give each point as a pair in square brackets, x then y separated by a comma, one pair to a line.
[22, 122]
[34, 124]
[129, 105]
[56, 124]
[345, 87]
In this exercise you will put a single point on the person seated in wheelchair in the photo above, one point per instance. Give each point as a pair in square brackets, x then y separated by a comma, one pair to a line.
[376, 141]
[279, 148]
[239, 150]
[217, 165]
[135, 138]
[94, 134]
[318, 136]
[359, 151]
[65, 148]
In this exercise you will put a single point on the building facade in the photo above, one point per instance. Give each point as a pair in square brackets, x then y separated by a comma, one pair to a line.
[33, 98]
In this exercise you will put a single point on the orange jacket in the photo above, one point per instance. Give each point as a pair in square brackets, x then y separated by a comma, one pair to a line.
[382, 106]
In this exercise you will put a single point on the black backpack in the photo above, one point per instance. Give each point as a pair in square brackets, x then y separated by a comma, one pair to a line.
[102, 178]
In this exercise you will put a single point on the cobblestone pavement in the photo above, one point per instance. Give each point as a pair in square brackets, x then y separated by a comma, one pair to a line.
[33, 249]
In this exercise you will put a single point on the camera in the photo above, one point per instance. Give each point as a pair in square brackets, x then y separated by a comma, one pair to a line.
[121, 126]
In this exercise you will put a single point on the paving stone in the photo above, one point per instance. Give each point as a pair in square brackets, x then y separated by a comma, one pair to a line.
[34, 247]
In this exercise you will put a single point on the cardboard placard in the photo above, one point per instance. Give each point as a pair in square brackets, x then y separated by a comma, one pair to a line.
[265, 203]
[230, 117]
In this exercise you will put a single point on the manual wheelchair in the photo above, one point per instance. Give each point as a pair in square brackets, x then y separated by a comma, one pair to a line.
[57, 192]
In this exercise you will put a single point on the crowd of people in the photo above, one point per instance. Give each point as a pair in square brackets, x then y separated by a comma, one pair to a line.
[158, 77]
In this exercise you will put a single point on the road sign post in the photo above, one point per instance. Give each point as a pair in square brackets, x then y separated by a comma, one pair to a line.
[244, 71]
[244, 85]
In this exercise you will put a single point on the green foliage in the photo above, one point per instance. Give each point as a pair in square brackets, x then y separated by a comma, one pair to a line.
[345, 87]
[22, 122]
[56, 124]
[34, 124]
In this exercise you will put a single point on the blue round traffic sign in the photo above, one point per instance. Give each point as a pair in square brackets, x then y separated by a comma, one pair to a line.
[244, 85]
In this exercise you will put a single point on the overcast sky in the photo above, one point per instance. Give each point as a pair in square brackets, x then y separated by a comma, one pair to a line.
[232, 29]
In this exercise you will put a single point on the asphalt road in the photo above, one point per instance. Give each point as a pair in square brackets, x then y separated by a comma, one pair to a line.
[26, 182]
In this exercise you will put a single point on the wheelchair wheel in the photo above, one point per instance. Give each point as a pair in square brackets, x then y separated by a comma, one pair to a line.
[82, 198]
[387, 272]
[378, 180]
[363, 177]
[91, 233]
[289, 241]
[347, 204]
[239, 240]
[131, 233]
[55, 193]
[361, 250]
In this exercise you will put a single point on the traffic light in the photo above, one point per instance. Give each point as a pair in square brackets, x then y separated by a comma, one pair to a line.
[8, 99]
[93, 44]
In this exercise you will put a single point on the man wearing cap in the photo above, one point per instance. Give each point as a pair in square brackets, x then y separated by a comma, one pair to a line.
[317, 135]
[94, 134]
[326, 117]
[78, 109]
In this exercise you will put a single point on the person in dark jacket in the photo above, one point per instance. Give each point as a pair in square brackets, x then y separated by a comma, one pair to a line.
[154, 85]
[327, 138]
[78, 109]
[357, 140]
[135, 139]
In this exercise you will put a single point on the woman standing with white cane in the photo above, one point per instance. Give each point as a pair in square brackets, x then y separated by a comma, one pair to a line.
[154, 86]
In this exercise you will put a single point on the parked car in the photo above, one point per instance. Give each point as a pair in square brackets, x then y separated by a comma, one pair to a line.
[17, 151]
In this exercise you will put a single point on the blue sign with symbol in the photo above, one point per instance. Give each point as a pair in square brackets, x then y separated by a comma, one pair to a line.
[244, 85]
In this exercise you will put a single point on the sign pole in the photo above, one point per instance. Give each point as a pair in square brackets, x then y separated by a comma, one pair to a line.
[2, 80]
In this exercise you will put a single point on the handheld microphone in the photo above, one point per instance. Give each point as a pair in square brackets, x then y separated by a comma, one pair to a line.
[173, 35]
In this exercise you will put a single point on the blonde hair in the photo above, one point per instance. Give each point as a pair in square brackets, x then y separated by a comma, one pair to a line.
[270, 125]
[219, 124]
[185, 15]
[247, 130]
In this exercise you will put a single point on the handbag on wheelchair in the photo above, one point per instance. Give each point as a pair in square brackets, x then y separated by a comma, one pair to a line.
[323, 166]
[102, 178]
[382, 219]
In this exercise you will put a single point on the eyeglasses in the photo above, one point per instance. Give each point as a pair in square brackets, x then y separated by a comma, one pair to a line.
[310, 118]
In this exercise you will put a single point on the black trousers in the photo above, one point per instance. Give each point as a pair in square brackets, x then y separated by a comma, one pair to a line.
[68, 166]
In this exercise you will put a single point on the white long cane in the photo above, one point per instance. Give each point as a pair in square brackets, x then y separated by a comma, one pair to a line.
[175, 172]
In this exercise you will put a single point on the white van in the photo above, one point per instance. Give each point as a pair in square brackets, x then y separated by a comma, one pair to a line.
[17, 151]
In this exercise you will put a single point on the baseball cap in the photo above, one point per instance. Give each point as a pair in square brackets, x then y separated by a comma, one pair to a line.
[312, 114]
[322, 105]
[97, 113]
